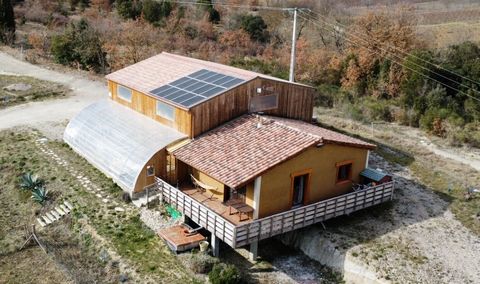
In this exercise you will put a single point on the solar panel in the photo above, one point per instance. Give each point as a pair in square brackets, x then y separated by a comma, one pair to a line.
[196, 87]
[233, 82]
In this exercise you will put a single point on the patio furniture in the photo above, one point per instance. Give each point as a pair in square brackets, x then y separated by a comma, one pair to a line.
[240, 207]
[202, 187]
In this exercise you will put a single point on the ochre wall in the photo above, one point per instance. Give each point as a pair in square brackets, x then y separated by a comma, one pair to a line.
[159, 162]
[147, 105]
[206, 179]
[275, 193]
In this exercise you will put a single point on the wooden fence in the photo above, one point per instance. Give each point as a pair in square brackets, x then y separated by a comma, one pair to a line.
[307, 215]
[198, 212]
[256, 230]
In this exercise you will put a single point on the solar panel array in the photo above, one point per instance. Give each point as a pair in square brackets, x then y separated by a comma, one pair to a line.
[196, 87]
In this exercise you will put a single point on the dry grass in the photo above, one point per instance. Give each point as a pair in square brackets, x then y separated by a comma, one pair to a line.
[447, 178]
[75, 250]
[40, 90]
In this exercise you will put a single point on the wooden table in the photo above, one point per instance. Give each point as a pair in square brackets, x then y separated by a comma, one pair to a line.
[239, 206]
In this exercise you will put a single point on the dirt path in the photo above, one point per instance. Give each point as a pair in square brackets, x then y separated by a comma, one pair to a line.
[416, 239]
[38, 114]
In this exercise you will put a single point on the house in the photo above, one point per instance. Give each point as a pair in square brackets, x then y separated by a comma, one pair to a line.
[235, 151]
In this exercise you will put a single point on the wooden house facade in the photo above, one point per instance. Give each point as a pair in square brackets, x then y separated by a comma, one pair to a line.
[235, 151]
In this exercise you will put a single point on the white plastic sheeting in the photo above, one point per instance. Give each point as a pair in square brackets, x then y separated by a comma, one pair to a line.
[118, 140]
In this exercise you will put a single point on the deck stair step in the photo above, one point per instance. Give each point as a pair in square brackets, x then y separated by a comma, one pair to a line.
[60, 211]
[68, 204]
[47, 220]
[55, 214]
[41, 222]
[64, 208]
[50, 216]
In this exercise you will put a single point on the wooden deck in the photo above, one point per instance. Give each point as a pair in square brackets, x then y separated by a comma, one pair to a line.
[213, 204]
[238, 234]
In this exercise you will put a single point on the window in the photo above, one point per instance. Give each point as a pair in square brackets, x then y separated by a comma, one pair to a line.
[150, 171]
[300, 185]
[124, 93]
[344, 171]
[165, 111]
[262, 103]
[238, 194]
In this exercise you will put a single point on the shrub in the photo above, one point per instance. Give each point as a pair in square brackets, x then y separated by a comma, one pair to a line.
[80, 46]
[224, 274]
[7, 22]
[40, 194]
[213, 14]
[201, 262]
[30, 182]
[256, 27]
[129, 9]
[154, 11]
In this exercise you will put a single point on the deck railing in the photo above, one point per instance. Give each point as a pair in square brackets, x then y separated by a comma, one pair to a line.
[259, 229]
[198, 212]
[314, 213]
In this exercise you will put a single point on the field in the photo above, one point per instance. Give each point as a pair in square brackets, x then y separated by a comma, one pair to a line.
[94, 244]
[35, 90]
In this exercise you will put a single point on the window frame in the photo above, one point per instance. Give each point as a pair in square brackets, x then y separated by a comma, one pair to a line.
[349, 177]
[164, 115]
[150, 167]
[306, 192]
[121, 96]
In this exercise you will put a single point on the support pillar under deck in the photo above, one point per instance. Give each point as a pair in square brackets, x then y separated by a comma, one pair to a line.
[253, 252]
[215, 245]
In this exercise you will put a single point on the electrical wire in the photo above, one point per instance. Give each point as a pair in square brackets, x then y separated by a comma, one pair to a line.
[393, 60]
[406, 53]
[233, 5]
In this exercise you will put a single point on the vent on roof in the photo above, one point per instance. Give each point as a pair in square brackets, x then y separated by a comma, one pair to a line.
[196, 87]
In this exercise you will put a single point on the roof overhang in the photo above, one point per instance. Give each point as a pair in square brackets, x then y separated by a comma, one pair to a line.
[118, 140]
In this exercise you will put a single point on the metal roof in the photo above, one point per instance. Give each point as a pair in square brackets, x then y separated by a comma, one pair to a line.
[373, 174]
[118, 140]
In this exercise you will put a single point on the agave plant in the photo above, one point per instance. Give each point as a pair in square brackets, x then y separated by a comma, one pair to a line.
[30, 182]
[40, 194]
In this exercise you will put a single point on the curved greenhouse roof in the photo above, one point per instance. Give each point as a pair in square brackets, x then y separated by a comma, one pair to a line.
[118, 140]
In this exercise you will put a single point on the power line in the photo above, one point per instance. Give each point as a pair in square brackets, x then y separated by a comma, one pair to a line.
[393, 60]
[233, 5]
[418, 65]
[408, 54]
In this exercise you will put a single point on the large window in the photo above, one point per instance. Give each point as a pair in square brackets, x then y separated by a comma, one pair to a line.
[124, 93]
[165, 111]
[344, 171]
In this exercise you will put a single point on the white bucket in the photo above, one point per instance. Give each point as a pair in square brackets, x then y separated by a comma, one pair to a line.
[203, 246]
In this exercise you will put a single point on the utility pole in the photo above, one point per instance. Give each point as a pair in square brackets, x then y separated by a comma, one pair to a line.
[294, 46]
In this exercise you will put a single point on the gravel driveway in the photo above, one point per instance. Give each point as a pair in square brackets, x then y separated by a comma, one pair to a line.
[45, 114]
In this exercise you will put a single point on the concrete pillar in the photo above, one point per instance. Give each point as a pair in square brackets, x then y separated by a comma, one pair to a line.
[253, 252]
[257, 185]
[215, 243]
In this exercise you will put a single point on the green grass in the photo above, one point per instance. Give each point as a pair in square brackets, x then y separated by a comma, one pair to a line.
[40, 90]
[123, 231]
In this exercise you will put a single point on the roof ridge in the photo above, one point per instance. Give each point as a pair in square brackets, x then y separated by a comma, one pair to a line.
[292, 128]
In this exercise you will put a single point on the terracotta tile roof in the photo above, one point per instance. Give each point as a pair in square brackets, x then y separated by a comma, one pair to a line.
[164, 68]
[328, 136]
[239, 151]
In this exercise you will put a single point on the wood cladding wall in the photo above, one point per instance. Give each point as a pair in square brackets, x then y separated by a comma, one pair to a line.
[146, 105]
[294, 101]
